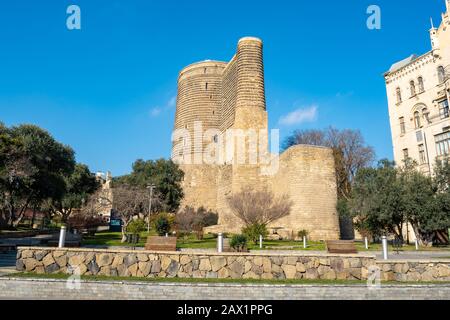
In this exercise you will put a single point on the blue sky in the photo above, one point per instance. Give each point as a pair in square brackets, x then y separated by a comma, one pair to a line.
[108, 89]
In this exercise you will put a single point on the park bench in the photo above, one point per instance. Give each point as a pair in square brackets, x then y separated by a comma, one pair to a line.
[155, 243]
[341, 246]
[7, 247]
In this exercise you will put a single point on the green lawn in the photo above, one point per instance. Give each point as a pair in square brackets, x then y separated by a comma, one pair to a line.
[209, 242]
[187, 280]
[113, 239]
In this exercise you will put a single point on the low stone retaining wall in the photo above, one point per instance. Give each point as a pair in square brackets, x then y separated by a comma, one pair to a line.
[195, 265]
[415, 270]
[138, 263]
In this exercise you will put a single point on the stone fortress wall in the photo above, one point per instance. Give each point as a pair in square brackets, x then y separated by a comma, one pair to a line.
[219, 96]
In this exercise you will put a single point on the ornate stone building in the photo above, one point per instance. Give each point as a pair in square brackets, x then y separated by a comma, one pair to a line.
[221, 107]
[418, 97]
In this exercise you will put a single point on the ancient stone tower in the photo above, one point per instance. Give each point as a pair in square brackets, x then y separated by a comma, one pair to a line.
[216, 98]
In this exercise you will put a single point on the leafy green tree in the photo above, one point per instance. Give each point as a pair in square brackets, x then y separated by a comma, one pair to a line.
[136, 226]
[162, 224]
[32, 168]
[378, 202]
[165, 175]
[79, 185]
[419, 198]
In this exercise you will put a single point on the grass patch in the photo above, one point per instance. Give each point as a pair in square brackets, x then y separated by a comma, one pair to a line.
[190, 280]
[112, 239]
[60, 276]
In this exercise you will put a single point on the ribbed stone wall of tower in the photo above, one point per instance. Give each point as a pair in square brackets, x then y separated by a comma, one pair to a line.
[250, 68]
[199, 99]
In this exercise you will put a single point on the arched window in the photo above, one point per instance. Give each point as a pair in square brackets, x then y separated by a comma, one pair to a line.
[426, 114]
[421, 86]
[412, 86]
[398, 92]
[417, 119]
[441, 74]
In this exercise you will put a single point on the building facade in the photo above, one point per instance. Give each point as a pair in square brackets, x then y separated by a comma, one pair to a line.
[418, 98]
[218, 98]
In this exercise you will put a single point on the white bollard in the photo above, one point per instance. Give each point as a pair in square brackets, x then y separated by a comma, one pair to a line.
[417, 244]
[220, 243]
[167, 235]
[366, 243]
[304, 242]
[260, 241]
[62, 237]
[385, 247]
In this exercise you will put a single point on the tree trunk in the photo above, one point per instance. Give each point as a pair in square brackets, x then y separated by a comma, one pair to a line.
[124, 228]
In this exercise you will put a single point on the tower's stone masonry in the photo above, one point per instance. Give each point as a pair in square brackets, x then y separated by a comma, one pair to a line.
[216, 97]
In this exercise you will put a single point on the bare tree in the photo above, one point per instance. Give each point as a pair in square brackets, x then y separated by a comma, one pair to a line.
[259, 206]
[129, 202]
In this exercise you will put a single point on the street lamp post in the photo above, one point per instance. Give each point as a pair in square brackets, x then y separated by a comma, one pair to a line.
[151, 187]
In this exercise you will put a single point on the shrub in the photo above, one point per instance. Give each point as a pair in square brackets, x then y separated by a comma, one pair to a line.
[239, 242]
[162, 224]
[80, 221]
[191, 220]
[302, 233]
[136, 226]
[253, 231]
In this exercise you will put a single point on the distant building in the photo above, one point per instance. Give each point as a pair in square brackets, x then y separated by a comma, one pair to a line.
[418, 98]
[106, 195]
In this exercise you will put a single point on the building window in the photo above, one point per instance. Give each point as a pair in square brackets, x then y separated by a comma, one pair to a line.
[419, 136]
[399, 95]
[216, 138]
[405, 154]
[442, 143]
[417, 119]
[441, 74]
[412, 86]
[422, 155]
[443, 109]
[402, 125]
[426, 115]
[421, 86]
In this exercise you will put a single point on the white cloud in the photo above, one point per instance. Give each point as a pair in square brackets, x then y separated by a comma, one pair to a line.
[301, 115]
[155, 112]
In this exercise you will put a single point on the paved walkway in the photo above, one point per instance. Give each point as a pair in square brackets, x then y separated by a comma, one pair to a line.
[8, 263]
[44, 289]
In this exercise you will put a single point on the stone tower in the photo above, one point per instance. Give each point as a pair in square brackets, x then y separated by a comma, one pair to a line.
[216, 98]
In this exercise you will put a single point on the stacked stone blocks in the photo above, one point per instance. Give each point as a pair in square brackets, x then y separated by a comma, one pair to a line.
[223, 266]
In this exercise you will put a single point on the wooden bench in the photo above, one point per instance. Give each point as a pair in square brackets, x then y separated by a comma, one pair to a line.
[161, 243]
[7, 247]
[341, 246]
